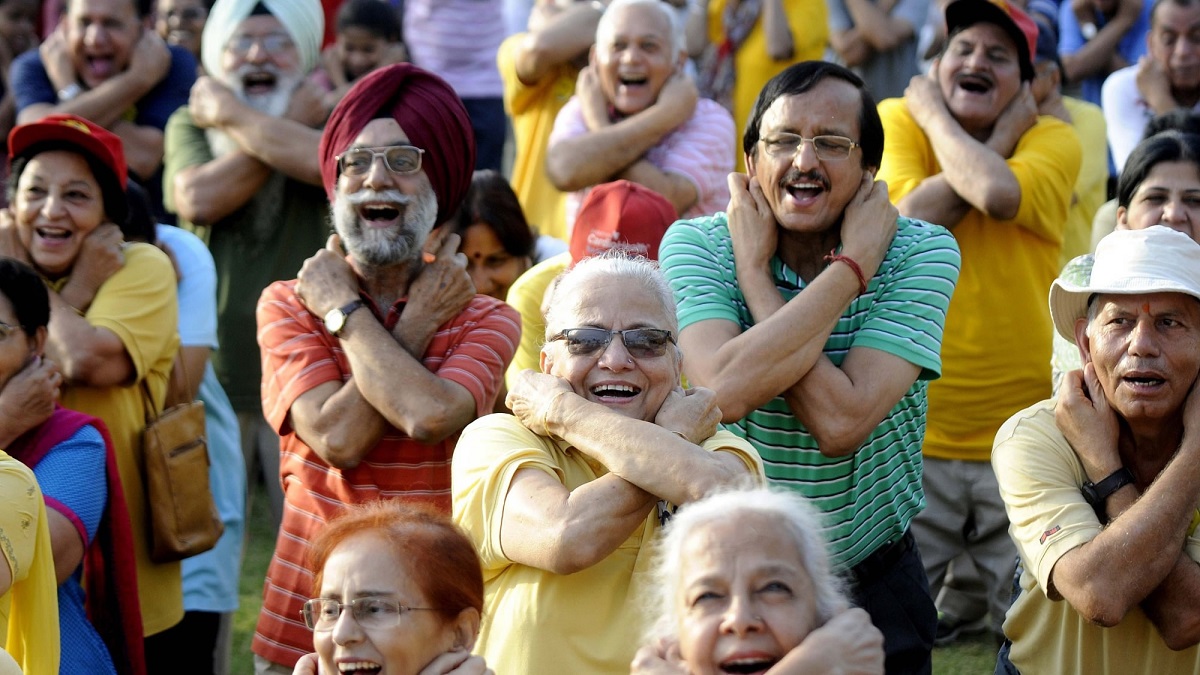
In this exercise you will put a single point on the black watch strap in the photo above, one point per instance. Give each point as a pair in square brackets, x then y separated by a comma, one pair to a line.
[1097, 493]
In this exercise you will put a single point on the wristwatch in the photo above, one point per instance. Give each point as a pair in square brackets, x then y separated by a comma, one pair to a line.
[335, 319]
[1097, 493]
[69, 92]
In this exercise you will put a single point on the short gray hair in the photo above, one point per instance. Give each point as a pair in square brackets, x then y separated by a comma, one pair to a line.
[793, 514]
[678, 37]
[611, 264]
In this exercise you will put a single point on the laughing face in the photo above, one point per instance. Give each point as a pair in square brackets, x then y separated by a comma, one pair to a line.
[101, 35]
[1169, 195]
[367, 565]
[979, 74]
[635, 57]
[808, 194]
[1144, 350]
[262, 64]
[18, 21]
[632, 386]
[745, 597]
[383, 217]
[181, 22]
[57, 205]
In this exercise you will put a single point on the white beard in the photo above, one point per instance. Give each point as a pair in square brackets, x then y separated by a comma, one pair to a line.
[382, 248]
[274, 104]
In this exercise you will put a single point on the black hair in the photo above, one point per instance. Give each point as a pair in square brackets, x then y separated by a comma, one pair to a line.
[27, 293]
[1168, 146]
[1179, 119]
[491, 200]
[374, 16]
[1160, 3]
[141, 224]
[803, 76]
[143, 8]
[116, 206]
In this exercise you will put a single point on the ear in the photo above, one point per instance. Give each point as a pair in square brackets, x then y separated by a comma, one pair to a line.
[1122, 218]
[1082, 341]
[466, 628]
[38, 346]
[592, 55]
[751, 164]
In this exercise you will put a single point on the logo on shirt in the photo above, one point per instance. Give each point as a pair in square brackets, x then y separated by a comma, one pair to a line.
[1049, 533]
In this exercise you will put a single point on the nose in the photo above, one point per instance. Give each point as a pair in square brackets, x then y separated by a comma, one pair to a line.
[346, 630]
[54, 206]
[806, 155]
[1143, 340]
[740, 617]
[615, 356]
[258, 52]
[378, 176]
[1175, 213]
[95, 34]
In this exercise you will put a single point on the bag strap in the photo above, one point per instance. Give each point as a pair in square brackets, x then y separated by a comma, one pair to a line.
[151, 413]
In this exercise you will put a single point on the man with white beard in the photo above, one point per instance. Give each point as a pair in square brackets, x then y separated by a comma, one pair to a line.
[241, 171]
[373, 362]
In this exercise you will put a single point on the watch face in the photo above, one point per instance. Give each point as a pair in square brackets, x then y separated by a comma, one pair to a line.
[334, 320]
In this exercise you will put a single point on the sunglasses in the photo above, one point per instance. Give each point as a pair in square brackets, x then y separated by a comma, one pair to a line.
[401, 159]
[641, 343]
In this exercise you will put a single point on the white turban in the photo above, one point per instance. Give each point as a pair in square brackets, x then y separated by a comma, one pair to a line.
[304, 20]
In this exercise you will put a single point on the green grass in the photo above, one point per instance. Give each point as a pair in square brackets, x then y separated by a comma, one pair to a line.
[973, 655]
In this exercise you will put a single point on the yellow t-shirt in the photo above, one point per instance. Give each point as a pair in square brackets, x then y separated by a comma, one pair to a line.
[29, 609]
[138, 304]
[1091, 188]
[1040, 479]
[532, 109]
[525, 296]
[537, 621]
[809, 23]
[997, 340]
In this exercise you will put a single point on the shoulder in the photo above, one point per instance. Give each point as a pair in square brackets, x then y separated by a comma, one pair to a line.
[703, 230]
[28, 62]
[1121, 83]
[893, 109]
[189, 250]
[280, 293]
[183, 64]
[709, 111]
[483, 307]
[1034, 425]
[495, 439]
[918, 237]
[148, 264]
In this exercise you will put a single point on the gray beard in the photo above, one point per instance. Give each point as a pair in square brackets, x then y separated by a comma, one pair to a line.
[274, 104]
[385, 248]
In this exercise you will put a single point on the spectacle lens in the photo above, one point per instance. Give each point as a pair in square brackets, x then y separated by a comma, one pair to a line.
[828, 148]
[642, 343]
[401, 159]
[321, 614]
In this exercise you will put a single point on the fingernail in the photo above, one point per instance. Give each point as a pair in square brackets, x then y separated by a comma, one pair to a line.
[428, 257]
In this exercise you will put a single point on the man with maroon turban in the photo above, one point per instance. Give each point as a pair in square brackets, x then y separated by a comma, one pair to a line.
[374, 361]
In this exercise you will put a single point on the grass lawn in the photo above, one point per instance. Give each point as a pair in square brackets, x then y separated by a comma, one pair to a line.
[974, 655]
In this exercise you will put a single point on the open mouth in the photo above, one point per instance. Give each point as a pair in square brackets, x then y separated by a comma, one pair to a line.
[379, 215]
[100, 67]
[53, 233]
[259, 82]
[974, 84]
[804, 187]
[617, 391]
[359, 667]
[746, 666]
[632, 80]
[1142, 381]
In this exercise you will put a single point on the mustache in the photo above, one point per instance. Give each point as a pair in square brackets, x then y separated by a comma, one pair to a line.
[375, 196]
[796, 176]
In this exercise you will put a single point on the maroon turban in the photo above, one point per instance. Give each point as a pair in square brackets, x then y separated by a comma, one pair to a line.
[430, 113]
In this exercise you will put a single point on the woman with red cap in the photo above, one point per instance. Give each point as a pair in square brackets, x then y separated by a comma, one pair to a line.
[111, 329]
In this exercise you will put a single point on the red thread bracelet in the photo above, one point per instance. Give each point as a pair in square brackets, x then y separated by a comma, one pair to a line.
[835, 257]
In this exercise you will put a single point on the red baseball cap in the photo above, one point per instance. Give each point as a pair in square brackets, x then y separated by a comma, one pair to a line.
[1014, 21]
[621, 215]
[86, 137]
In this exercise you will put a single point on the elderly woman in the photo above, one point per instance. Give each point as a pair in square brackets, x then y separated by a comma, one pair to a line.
[113, 307]
[73, 462]
[744, 586]
[563, 498]
[399, 591]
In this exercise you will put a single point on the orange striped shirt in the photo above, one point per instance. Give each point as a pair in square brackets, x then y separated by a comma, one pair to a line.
[298, 354]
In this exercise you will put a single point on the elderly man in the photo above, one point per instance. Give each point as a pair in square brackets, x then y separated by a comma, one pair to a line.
[1101, 484]
[564, 497]
[241, 171]
[104, 63]
[816, 315]
[1166, 78]
[967, 149]
[373, 363]
[539, 68]
[635, 115]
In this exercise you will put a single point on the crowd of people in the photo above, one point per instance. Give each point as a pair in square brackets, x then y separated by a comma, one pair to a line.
[667, 337]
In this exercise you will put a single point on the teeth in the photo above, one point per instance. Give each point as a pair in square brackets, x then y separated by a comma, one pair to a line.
[357, 665]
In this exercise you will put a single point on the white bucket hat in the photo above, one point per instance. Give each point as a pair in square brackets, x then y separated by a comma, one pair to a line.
[1129, 262]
